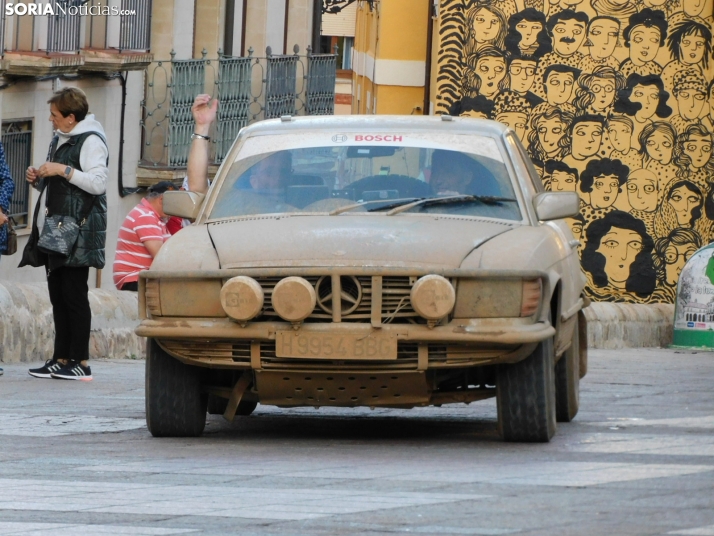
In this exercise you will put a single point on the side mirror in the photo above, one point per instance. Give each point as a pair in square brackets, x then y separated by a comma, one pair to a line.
[556, 205]
[183, 204]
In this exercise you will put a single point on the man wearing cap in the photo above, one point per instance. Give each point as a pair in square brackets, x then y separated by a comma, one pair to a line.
[690, 90]
[141, 236]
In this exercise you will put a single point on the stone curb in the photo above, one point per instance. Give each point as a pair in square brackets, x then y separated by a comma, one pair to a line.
[27, 329]
[629, 325]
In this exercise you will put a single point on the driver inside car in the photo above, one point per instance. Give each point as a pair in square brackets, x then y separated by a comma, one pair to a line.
[271, 174]
[454, 173]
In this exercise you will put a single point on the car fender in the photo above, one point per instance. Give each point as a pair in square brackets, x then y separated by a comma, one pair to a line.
[193, 246]
[548, 248]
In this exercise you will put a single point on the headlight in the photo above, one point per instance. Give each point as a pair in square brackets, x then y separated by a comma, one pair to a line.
[293, 299]
[433, 297]
[492, 298]
[189, 297]
[242, 298]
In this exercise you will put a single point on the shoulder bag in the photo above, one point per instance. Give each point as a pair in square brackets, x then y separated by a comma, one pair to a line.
[60, 233]
[11, 247]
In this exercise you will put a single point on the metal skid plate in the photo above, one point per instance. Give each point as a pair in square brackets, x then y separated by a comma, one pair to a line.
[342, 389]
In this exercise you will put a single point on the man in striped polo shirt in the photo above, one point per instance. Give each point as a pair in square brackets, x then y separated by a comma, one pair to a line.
[141, 236]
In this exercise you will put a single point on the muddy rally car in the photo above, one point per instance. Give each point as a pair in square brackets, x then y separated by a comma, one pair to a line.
[367, 261]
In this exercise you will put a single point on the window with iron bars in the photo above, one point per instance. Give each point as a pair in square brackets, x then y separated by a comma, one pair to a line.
[17, 142]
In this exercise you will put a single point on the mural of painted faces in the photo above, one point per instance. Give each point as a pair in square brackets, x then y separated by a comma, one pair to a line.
[692, 48]
[491, 71]
[518, 121]
[521, 73]
[644, 44]
[550, 132]
[693, 8]
[576, 227]
[562, 181]
[605, 191]
[583, 92]
[654, 4]
[698, 147]
[648, 97]
[675, 250]
[690, 102]
[686, 200]
[643, 190]
[568, 36]
[586, 137]
[559, 85]
[620, 248]
[618, 254]
[603, 36]
[604, 92]
[620, 136]
[659, 146]
[488, 26]
[529, 31]
[601, 181]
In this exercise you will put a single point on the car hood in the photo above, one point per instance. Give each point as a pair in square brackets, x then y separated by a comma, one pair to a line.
[346, 240]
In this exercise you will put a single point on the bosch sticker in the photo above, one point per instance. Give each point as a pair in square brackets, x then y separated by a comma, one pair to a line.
[378, 137]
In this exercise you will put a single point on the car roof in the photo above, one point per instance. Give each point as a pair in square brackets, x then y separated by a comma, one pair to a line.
[369, 123]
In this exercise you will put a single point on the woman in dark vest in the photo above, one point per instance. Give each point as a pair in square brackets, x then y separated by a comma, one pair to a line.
[74, 183]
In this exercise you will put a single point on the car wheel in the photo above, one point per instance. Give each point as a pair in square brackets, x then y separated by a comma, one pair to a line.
[526, 397]
[567, 381]
[217, 406]
[175, 406]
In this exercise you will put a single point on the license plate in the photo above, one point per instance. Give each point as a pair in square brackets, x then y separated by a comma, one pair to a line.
[335, 346]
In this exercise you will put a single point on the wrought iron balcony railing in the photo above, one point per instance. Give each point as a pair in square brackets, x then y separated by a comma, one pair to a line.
[248, 89]
[79, 24]
[63, 28]
[128, 28]
[135, 31]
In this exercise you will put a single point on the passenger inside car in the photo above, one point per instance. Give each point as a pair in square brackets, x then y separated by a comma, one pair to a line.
[454, 173]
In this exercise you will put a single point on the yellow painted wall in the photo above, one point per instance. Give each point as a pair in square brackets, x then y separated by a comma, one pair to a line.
[402, 29]
[399, 100]
[394, 30]
[208, 27]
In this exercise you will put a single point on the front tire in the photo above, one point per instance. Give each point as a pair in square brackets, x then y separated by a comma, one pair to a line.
[175, 406]
[525, 392]
[567, 381]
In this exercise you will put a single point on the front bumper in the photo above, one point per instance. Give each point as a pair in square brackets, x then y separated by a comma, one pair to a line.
[221, 343]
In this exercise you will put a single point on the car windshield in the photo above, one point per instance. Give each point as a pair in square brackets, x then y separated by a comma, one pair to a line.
[340, 178]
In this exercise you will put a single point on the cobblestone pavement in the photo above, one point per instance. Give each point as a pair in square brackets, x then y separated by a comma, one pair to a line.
[75, 458]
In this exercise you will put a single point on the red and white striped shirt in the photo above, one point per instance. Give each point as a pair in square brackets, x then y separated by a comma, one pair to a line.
[141, 224]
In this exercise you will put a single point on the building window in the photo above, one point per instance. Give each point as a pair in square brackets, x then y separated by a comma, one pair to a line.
[17, 141]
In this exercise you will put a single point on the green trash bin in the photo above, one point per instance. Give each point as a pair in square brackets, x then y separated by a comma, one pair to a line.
[694, 305]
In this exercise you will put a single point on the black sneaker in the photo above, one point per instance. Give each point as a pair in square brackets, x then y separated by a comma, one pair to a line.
[49, 367]
[73, 371]
[1, 372]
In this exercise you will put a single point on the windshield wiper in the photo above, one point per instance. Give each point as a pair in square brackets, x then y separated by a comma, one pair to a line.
[452, 200]
[396, 203]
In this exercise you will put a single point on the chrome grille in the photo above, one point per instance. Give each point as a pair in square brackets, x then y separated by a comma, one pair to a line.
[396, 306]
